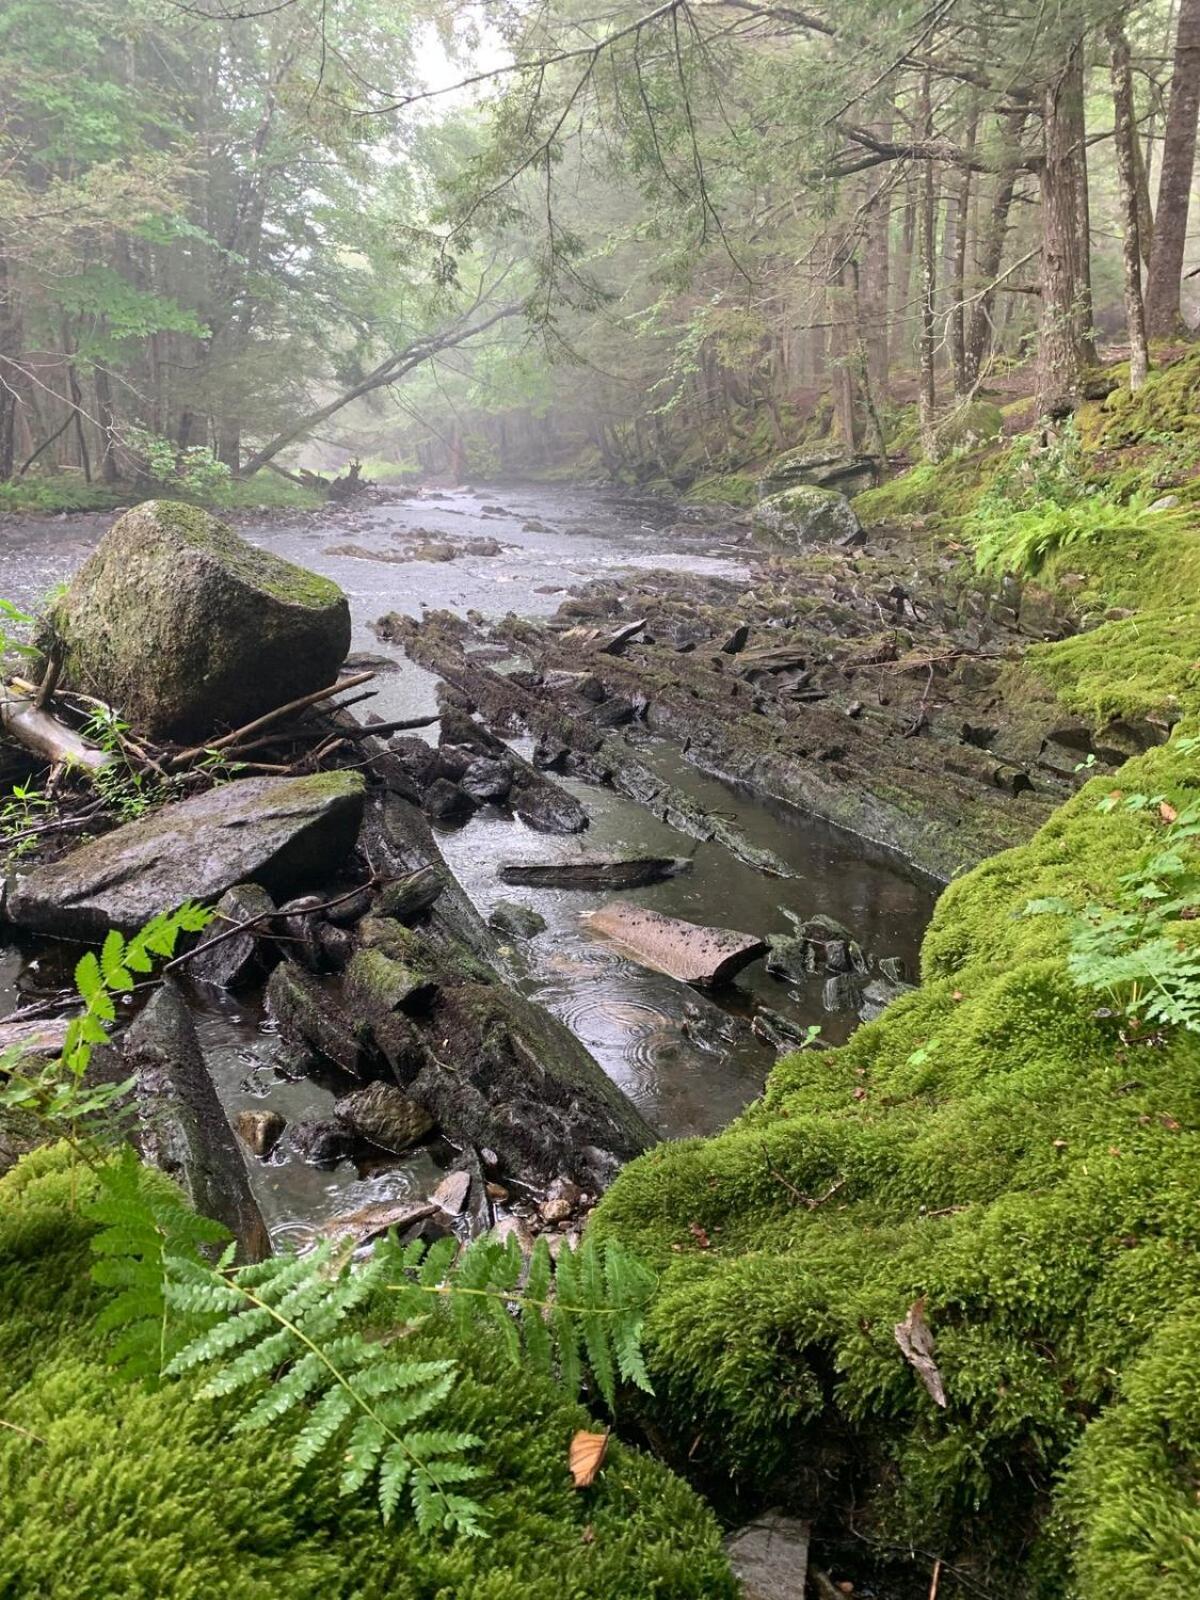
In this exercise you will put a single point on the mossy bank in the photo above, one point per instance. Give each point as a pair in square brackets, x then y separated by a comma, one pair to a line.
[114, 1490]
[1002, 1150]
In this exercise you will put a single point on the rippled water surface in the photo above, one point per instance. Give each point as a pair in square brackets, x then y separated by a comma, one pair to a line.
[689, 1061]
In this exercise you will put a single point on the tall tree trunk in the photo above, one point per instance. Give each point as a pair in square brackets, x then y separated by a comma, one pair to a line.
[979, 331]
[10, 339]
[873, 287]
[957, 326]
[842, 338]
[1071, 104]
[1061, 354]
[107, 420]
[1125, 143]
[1163, 315]
[926, 233]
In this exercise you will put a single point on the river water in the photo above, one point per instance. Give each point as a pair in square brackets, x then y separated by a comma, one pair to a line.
[689, 1062]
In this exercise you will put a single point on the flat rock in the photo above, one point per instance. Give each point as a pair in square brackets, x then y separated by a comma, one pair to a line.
[186, 627]
[516, 921]
[227, 962]
[276, 832]
[770, 1556]
[184, 1130]
[684, 950]
[593, 872]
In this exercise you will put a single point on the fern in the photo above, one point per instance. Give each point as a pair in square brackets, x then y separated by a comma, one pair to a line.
[55, 1091]
[144, 1224]
[589, 1305]
[284, 1323]
[1128, 951]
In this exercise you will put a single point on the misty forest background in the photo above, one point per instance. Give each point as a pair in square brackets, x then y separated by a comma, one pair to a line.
[661, 242]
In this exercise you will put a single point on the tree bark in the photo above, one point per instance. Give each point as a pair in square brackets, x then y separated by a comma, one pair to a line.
[1061, 354]
[991, 252]
[957, 328]
[1164, 318]
[1125, 144]
[926, 230]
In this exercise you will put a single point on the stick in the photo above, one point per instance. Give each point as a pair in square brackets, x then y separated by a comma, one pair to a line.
[46, 736]
[377, 730]
[302, 704]
[266, 916]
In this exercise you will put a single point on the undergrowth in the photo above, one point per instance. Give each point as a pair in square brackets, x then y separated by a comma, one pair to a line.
[113, 1488]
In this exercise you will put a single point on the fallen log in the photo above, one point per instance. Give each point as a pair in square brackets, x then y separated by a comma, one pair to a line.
[594, 872]
[41, 732]
[684, 950]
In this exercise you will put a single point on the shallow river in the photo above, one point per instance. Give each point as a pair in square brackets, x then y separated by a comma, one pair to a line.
[688, 1063]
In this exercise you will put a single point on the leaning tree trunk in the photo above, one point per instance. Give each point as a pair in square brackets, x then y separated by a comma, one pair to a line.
[1061, 353]
[1125, 141]
[1163, 315]
[980, 328]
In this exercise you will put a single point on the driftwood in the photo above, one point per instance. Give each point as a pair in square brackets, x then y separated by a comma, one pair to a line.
[594, 872]
[45, 735]
[683, 950]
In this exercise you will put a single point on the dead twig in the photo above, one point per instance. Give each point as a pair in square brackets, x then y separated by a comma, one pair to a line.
[235, 928]
[238, 736]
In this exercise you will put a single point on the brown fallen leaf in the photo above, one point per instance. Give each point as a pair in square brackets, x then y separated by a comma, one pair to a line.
[1167, 811]
[586, 1457]
[698, 1233]
[915, 1339]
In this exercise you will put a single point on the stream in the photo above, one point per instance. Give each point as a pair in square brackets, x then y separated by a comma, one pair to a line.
[688, 1061]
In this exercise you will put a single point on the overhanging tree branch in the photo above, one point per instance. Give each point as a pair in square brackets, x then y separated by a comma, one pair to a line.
[389, 371]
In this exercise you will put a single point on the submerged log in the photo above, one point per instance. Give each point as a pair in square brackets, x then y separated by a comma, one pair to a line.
[594, 872]
[684, 950]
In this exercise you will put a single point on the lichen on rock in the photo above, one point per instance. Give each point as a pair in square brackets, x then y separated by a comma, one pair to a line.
[186, 627]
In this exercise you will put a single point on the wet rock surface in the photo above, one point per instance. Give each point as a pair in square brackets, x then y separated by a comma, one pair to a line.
[879, 687]
[277, 832]
[183, 1128]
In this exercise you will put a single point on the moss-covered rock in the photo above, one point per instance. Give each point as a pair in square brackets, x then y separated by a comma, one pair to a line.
[186, 627]
[970, 426]
[806, 515]
[997, 1147]
[119, 1490]
[281, 833]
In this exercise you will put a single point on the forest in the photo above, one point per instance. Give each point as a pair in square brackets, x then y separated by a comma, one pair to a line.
[599, 799]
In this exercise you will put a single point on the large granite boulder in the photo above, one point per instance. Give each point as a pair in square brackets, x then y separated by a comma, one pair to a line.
[280, 833]
[185, 627]
[823, 469]
[806, 516]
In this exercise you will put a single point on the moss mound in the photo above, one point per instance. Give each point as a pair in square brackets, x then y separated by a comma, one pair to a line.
[131, 1493]
[992, 1147]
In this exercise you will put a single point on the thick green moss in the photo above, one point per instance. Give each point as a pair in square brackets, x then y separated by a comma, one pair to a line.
[992, 1146]
[134, 1494]
[283, 580]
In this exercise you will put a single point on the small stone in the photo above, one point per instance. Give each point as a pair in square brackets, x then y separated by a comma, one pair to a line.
[261, 1130]
[515, 920]
[1165, 502]
[566, 1189]
[485, 779]
[489, 1158]
[496, 1191]
[452, 1193]
[770, 1556]
[383, 1115]
[446, 802]
[556, 1210]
